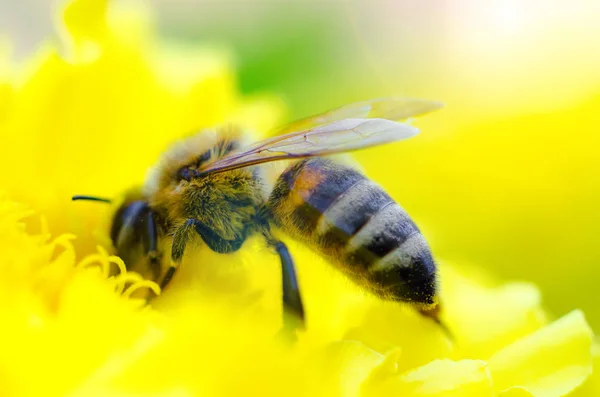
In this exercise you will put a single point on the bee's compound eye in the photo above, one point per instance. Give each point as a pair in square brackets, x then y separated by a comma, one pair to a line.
[129, 213]
[117, 224]
[187, 174]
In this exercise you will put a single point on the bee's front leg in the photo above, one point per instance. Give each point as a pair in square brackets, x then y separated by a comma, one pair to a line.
[182, 236]
[180, 241]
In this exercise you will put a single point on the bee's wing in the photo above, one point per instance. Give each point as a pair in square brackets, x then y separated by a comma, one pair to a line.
[382, 108]
[338, 136]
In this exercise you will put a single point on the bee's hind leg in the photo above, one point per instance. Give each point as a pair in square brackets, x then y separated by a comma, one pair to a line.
[292, 300]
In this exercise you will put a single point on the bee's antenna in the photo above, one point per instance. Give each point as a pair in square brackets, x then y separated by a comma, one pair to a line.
[91, 198]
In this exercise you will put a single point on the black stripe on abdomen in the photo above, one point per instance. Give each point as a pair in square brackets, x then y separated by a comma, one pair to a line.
[385, 231]
[386, 239]
[346, 216]
[334, 181]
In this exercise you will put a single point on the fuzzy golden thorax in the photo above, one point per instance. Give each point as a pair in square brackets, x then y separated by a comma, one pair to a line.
[225, 202]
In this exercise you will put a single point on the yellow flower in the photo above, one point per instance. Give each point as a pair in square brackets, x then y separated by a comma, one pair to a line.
[91, 117]
[106, 103]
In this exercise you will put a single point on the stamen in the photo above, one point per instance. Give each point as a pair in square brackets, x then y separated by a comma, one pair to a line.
[123, 279]
[95, 259]
[140, 284]
[119, 263]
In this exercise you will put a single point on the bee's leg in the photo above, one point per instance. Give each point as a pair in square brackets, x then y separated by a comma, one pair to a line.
[216, 242]
[182, 236]
[292, 300]
[180, 240]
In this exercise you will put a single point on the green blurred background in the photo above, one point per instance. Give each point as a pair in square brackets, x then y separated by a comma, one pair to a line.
[506, 177]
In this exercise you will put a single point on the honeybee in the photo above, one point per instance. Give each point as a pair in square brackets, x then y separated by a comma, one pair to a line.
[212, 186]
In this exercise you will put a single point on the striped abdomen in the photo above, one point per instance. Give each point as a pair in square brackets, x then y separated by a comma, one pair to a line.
[353, 223]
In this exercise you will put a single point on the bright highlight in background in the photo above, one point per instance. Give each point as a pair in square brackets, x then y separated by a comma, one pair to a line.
[508, 173]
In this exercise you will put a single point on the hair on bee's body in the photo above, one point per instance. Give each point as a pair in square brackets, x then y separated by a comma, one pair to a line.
[213, 185]
[224, 204]
[356, 225]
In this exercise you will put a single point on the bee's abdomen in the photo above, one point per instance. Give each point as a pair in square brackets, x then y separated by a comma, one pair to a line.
[365, 228]
[347, 217]
[351, 221]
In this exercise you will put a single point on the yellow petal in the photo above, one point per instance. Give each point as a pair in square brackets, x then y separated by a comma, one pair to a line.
[103, 391]
[131, 22]
[83, 27]
[389, 325]
[447, 378]
[49, 323]
[515, 391]
[85, 19]
[98, 114]
[204, 82]
[550, 362]
[592, 386]
[342, 367]
[484, 317]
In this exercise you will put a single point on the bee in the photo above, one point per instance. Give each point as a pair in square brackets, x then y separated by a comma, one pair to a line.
[212, 186]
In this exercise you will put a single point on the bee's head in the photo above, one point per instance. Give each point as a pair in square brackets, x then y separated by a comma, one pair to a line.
[129, 214]
[129, 231]
[183, 160]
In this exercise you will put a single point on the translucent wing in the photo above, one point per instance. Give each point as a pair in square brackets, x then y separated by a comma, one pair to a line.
[338, 136]
[382, 108]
